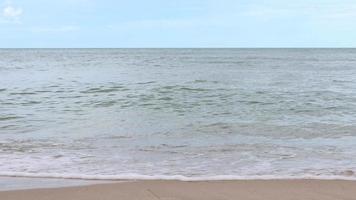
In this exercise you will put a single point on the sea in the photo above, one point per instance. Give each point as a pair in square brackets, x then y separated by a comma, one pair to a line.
[178, 114]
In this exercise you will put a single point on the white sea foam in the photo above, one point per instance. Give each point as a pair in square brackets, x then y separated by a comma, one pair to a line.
[173, 177]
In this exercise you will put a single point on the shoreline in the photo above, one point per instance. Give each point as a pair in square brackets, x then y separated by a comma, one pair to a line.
[160, 189]
[16, 182]
[348, 175]
[25, 183]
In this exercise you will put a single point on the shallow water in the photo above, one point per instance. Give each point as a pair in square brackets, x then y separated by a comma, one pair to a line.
[23, 183]
[178, 113]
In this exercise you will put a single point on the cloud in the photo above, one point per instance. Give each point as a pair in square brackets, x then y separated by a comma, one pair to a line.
[12, 12]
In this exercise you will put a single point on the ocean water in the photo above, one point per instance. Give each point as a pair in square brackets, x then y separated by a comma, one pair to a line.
[187, 114]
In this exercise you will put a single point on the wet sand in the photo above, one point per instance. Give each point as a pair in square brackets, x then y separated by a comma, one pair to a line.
[205, 190]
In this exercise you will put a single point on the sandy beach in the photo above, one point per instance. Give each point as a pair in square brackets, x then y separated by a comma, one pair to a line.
[174, 190]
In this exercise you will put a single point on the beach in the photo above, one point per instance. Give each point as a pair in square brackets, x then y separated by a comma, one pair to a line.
[180, 190]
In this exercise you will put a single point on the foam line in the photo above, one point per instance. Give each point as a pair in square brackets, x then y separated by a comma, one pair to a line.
[173, 177]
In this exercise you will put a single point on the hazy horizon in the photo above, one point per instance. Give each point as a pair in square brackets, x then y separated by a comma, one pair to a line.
[4, 48]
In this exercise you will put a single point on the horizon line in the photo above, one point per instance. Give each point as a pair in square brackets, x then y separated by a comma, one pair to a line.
[177, 48]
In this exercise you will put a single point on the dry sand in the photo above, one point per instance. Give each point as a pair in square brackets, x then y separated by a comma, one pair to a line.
[219, 190]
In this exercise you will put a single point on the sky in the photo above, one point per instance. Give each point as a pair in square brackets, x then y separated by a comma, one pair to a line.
[177, 23]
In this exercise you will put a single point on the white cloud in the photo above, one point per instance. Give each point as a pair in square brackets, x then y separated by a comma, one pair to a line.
[10, 15]
[12, 12]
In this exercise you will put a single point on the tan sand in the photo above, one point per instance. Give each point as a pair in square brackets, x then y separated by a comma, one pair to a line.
[219, 190]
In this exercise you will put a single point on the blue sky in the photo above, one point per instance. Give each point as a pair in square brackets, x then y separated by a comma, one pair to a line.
[178, 23]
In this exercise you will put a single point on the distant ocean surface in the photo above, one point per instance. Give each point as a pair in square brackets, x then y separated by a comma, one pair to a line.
[186, 114]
